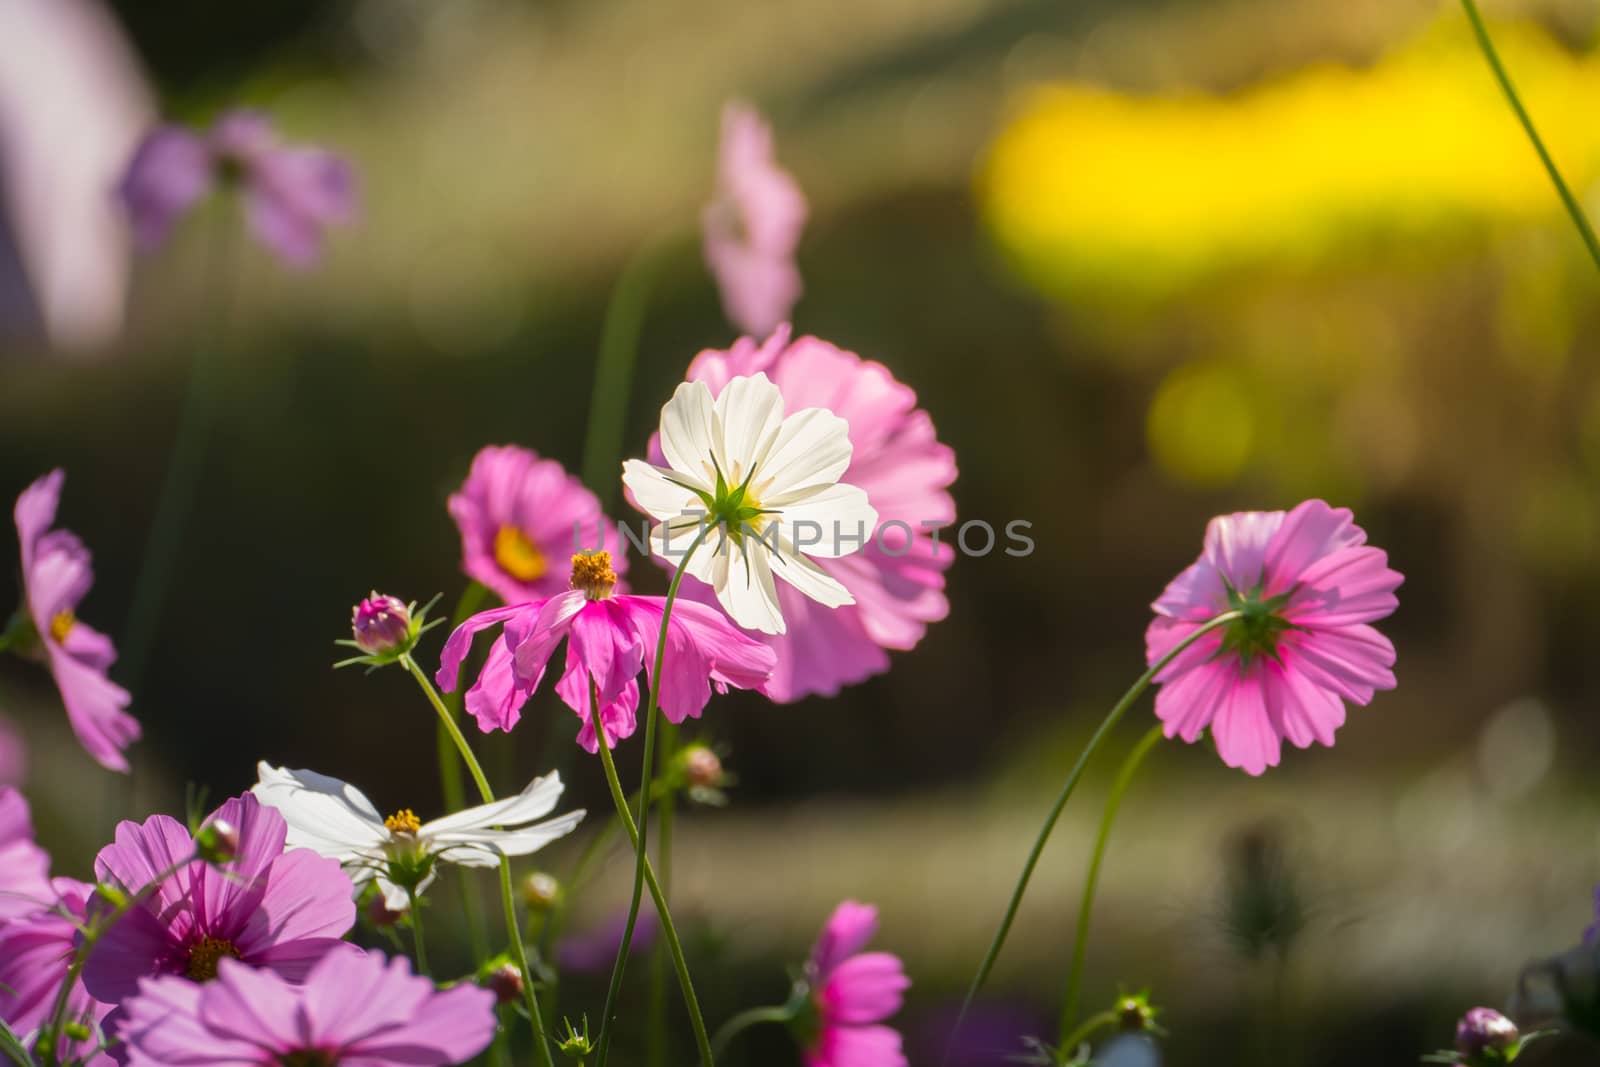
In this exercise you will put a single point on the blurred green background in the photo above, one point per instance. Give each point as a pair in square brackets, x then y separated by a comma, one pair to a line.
[1143, 262]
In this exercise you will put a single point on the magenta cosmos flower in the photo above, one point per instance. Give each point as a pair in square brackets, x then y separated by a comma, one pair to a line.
[753, 226]
[354, 1008]
[1308, 585]
[852, 993]
[291, 194]
[56, 575]
[268, 907]
[609, 638]
[521, 518]
[36, 951]
[24, 866]
[897, 580]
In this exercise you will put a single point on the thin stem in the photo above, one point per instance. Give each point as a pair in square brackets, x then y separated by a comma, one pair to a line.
[1090, 1025]
[641, 847]
[450, 779]
[1574, 209]
[674, 946]
[1080, 947]
[508, 899]
[1096, 739]
[416, 933]
[745, 1020]
[613, 375]
[656, 1013]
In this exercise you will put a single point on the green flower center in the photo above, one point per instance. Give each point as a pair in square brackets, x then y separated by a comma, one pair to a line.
[1257, 631]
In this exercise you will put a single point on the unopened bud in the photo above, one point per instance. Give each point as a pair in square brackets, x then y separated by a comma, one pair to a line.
[576, 1044]
[505, 982]
[379, 913]
[702, 767]
[1135, 1014]
[217, 842]
[381, 625]
[1483, 1036]
[540, 891]
[76, 1031]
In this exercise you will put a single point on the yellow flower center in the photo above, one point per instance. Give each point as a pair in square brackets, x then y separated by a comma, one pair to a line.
[592, 573]
[518, 556]
[204, 954]
[62, 625]
[404, 821]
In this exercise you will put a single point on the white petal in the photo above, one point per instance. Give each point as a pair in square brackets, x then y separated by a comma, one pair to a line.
[687, 437]
[396, 899]
[656, 493]
[324, 814]
[745, 589]
[534, 802]
[483, 848]
[812, 449]
[809, 579]
[671, 540]
[831, 522]
[749, 416]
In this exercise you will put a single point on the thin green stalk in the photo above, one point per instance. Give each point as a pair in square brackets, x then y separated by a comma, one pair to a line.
[1574, 209]
[641, 847]
[416, 933]
[1090, 1025]
[669, 931]
[613, 374]
[1112, 718]
[508, 899]
[745, 1020]
[666, 809]
[1080, 947]
[450, 784]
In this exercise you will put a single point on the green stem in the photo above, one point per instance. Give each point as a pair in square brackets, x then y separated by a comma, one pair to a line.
[1119, 786]
[1112, 718]
[656, 1013]
[669, 931]
[416, 933]
[508, 899]
[745, 1020]
[1083, 1033]
[613, 375]
[1574, 209]
[641, 848]
[450, 784]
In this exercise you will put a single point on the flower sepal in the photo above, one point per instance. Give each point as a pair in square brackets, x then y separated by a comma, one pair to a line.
[576, 1044]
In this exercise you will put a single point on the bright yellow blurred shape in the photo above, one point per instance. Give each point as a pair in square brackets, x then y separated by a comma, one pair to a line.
[1090, 186]
[1201, 425]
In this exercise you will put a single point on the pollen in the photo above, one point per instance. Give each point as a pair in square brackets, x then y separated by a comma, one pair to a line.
[592, 573]
[204, 954]
[62, 625]
[404, 821]
[518, 556]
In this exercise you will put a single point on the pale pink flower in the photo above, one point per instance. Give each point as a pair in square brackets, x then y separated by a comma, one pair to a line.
[852, 993]
[753, 226]
[1309, 586]
[521, 518]
[897, 580]
[24, 866]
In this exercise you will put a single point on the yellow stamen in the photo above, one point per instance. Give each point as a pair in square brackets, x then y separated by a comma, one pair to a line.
[404, 821]
[204, 954]
[62, 625]
[592, 573]
[518, 556]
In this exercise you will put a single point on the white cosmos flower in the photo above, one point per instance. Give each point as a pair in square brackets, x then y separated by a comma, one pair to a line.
[765, 489]
[337, 820]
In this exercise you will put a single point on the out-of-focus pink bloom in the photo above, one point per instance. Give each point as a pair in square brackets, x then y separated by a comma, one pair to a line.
[595, 950]
[1308, 585]
[56, 575]
[753, 226]
[521, 518]
[291, 194]
[609, 638]
[268, 908]
[897, 580]
[13, 754]
[24, 866]
[35, 953]
[72, 105]
[852, 992]
[353, 1008]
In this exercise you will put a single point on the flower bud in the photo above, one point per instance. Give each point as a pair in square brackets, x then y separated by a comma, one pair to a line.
[380, 915]
[576, 1044]
[217, 842]
[540, 891]
[1135, 1014]
[1484, 1036]
[381, 625]
[505, 982]
[702, 767]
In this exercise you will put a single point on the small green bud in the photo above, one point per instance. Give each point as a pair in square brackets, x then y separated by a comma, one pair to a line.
[217, 842]
[576, 1044]
[540, 892]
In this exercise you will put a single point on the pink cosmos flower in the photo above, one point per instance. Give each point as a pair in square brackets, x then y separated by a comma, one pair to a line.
[24, 866]
[521, 518]
[354, 1008]
[13, 754]
[268, 907]
[1308, 585]
[56, 575]
[35, 953]
[291, 195]
[852, 991]
[897, 580]
[609, 638]
[753, 226]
